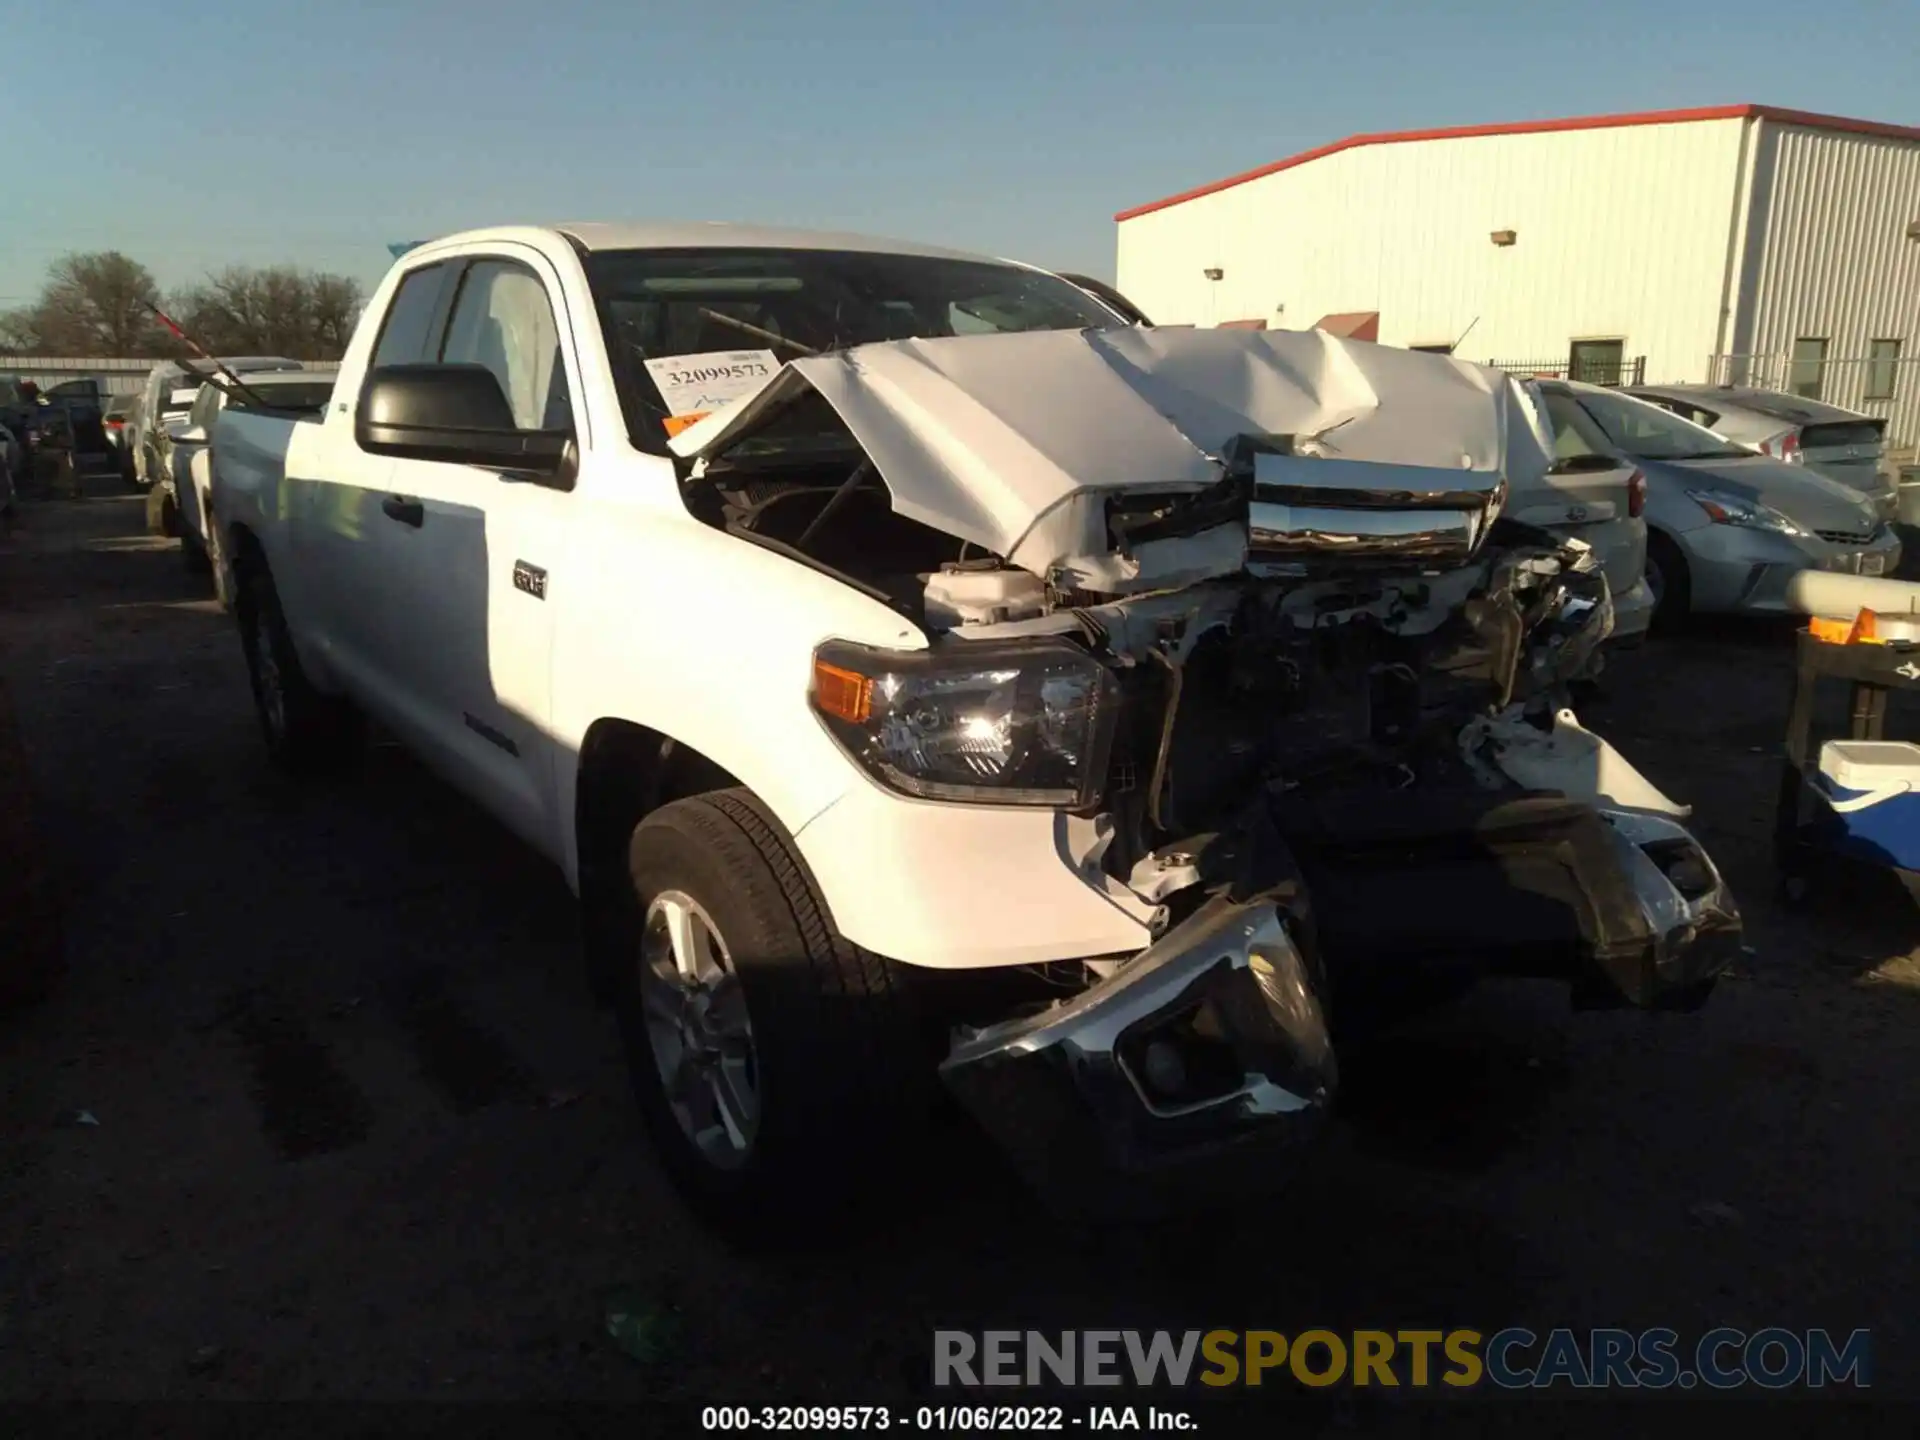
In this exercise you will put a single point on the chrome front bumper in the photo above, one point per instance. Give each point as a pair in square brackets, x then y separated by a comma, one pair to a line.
[1200, 1067]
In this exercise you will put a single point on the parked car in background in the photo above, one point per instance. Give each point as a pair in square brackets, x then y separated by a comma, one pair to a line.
[146, 428]
[288, 393]
[174, 407]
[1600, 497]
[1843, 445]
[1728, 527]
[16, 409]
[9, 486]
[119, 417]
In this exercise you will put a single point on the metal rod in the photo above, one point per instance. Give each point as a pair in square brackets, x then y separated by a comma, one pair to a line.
[834, 501]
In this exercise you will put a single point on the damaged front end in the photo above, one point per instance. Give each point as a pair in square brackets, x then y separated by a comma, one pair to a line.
[1310, 696]
[1197, 1069]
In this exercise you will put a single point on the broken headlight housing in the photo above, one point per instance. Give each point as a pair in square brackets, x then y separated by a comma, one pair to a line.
[1023, 723]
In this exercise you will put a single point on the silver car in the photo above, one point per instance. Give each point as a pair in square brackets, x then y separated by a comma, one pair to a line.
[1843, 445]
[1727, 527]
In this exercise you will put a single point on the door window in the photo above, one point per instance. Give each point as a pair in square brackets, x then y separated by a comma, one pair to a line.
[1809, 367]
[405, 331]
[502, 320]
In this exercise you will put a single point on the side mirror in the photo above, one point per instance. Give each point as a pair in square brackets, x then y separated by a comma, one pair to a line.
[186, 435]
[456, 414]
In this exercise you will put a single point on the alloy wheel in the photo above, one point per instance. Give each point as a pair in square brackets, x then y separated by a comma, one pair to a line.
[696, 1019]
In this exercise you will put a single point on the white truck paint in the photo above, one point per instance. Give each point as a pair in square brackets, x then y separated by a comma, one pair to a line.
[503, 618]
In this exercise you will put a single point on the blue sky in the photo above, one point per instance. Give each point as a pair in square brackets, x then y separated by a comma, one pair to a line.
[200, 133]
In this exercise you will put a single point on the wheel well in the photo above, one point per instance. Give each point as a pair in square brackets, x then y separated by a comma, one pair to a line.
[243, 547]
[626, 772]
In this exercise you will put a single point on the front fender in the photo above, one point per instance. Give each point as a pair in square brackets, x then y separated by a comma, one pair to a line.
[707, 639]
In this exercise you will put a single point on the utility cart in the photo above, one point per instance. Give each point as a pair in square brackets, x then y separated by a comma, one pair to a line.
[1851, 797]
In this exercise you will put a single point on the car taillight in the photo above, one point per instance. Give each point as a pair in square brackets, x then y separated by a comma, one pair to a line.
[1790, 447]
[114, 424]
[1637, 495]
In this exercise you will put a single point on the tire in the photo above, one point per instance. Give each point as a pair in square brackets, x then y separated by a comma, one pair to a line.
[193, 559]
[219, 565]
[1671, 584]
[162, 518]
[307, 733]
[833, 1061]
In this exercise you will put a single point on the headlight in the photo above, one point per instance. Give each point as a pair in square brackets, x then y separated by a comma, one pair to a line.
[1026, 723]
[1725, 508]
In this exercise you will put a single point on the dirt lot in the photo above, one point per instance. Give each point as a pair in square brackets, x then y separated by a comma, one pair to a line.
[321, 1107]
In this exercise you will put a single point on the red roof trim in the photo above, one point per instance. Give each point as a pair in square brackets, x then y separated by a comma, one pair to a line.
[1538, 127]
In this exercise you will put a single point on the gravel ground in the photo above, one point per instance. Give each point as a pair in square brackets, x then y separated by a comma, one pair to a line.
[321, 1108]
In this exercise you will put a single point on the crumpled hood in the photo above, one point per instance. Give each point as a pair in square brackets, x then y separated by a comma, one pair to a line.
[1014, 441]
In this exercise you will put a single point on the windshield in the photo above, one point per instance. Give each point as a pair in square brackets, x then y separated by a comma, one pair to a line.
[660, 305]
[1647, 432]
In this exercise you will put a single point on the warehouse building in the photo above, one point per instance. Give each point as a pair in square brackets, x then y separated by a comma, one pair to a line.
[1743, 243]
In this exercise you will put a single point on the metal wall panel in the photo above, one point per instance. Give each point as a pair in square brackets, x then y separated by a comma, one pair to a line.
[1618, 233]
[1834, 262]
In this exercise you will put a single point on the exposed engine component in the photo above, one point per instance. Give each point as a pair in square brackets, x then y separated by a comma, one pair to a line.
[982, 592]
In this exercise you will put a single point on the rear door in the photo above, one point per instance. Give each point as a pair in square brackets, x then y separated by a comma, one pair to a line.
[339, 521]
[1588, 494]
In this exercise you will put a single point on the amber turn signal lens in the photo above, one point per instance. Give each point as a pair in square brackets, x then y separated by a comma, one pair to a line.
[841, 693]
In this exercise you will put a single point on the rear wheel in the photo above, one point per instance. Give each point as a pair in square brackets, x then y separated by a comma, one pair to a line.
[192, 555]
[162, 517]
[775, 1062]
[1668, 582]
[218, 563]
[306, 732]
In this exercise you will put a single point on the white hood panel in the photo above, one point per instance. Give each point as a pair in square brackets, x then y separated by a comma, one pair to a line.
[1013, 442]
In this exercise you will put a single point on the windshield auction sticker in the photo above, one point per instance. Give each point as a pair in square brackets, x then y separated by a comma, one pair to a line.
[694, 386]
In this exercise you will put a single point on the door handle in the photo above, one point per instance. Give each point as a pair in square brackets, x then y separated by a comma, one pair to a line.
[407, 512]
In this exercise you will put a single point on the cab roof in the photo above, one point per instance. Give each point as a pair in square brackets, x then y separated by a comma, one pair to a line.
[705, 234]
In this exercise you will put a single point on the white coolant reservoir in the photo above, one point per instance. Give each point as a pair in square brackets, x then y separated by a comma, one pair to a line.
[983, 597]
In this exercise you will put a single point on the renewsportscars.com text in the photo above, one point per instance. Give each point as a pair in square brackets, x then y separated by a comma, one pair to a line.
[1513, 1358]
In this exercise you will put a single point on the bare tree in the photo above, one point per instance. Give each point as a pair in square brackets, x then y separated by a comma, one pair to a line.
[273, 311]
[93, 304]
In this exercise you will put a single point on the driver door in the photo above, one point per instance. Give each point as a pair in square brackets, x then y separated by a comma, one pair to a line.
[467, 552]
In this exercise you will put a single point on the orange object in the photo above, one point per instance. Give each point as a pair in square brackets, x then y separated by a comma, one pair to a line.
[841, 693]
[1861, 630]
[677, 423]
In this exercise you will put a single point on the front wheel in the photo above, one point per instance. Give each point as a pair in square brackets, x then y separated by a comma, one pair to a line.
[1668, 582]
[776, 1064]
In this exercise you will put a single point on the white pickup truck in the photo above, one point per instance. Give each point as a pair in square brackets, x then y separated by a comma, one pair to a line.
[918, 671]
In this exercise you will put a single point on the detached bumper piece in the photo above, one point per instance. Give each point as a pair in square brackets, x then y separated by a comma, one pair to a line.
[1623, 904]
[1196, 1071]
